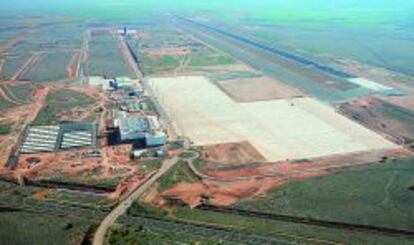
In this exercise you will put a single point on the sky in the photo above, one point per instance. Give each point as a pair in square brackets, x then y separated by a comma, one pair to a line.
[347, 11]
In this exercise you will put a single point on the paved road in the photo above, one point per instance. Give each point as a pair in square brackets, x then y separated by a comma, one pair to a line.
[110, 219]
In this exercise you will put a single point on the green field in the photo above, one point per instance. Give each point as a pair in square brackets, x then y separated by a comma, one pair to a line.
[209, 58]
[42, 72]
[179, 173]
[377, 194]
[59, 102]
[165, 63]
[151, 165]
[34, 228]
[5, 128]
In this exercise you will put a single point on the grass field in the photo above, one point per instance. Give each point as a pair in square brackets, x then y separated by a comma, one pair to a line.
[377, 194]
[151, 165]
[5, 128]
[209, 58]
[32, 228]
[59, 102]
[164, 63]
[179, 173]
[42, 72]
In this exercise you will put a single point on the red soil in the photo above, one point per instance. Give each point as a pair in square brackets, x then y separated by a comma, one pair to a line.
[231, 188]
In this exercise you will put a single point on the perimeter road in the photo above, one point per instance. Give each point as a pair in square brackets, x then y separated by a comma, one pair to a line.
[110, 219]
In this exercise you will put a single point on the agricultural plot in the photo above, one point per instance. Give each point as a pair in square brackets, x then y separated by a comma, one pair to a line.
[106, 58]
[50, 67]
[12, 65]
[60, 102]
[296, 128]
[379, 194]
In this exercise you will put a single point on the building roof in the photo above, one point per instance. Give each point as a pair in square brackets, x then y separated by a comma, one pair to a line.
[133, 124]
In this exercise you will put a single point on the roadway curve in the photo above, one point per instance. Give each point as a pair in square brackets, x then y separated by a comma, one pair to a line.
[119, 210]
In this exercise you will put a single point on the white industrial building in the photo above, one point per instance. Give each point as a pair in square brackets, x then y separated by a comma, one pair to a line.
[139, 128]
[58, 137]
[41, 138]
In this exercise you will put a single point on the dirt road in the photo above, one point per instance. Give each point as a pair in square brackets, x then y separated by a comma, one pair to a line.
[110, 219]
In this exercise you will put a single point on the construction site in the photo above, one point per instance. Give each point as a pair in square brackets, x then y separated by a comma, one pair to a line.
[102, 135]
